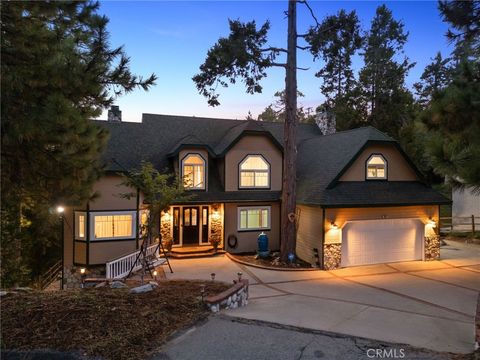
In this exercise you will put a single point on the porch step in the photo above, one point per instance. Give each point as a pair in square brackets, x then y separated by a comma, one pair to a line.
[195, 254]
[191, 249]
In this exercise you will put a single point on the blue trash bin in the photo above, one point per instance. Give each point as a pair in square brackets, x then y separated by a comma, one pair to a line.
[263, 245]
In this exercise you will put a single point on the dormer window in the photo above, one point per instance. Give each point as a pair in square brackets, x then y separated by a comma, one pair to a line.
[254, 172]
[376, 167]
[193, 171]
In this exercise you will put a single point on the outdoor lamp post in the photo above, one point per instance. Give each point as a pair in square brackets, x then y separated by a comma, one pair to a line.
[61, 211]
[83, 275]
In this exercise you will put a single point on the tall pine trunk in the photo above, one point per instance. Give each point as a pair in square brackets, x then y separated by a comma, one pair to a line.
[288, 236]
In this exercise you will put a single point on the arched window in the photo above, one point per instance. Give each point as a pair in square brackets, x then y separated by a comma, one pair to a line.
[254, 172]
[193, 171]
[376, 167]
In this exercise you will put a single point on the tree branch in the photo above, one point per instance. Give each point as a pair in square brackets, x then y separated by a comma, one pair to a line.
[302, 68]
[278, 64]
[311, 11]
[275, 49]
[304, 47]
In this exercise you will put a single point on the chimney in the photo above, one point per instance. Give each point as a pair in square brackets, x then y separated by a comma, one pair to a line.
[114, 114]
[325, 120]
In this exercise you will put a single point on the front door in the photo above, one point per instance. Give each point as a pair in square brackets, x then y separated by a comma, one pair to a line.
[190, 225]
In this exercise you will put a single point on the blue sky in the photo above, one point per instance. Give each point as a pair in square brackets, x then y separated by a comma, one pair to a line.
[171, 39]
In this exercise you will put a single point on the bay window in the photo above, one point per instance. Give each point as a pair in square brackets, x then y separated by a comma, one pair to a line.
[112, 225]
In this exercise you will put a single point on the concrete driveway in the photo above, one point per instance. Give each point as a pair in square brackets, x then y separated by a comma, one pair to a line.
[423, 304]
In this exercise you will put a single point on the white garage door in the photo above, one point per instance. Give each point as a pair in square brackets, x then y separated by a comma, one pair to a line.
[381, 241]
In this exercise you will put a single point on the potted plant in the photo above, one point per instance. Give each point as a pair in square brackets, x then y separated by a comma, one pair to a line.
[215, 241]
[167, 244]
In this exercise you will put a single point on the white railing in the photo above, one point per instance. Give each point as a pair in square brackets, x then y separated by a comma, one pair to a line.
[119, 268]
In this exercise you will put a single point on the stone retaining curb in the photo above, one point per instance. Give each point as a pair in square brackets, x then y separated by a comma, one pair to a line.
[231, 257]
[234, 297]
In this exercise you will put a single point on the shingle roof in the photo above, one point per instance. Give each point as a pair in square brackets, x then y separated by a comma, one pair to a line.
[320, 158]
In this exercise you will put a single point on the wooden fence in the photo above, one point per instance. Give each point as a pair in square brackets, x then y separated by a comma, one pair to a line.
[460, 223]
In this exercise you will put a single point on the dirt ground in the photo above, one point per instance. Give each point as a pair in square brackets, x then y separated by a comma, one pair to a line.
[111, 323]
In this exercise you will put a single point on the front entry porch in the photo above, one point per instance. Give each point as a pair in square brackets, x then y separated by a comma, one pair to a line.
[192, 226]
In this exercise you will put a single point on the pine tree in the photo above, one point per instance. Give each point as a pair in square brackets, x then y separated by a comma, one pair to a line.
[275, 112]
[452, 117]
[435, 77]
[58, 72]
[335, 41]
[382, 79]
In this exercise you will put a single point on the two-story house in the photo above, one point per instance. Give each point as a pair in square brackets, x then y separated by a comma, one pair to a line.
[360, 198]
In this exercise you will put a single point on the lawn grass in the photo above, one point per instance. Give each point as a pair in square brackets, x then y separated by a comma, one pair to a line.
[105, 322]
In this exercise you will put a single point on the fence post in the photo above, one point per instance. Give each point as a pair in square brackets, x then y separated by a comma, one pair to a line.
[473, 225]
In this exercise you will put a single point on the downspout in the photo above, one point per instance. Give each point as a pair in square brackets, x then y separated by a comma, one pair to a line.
[137, 232]
[87, 255]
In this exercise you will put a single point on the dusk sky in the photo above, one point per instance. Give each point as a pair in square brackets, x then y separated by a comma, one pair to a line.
[171, 39]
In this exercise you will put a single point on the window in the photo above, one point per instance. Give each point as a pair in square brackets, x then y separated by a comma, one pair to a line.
[80, 225]
[376, 167]
[118, 225]
[254, 218]
[254, 172]
[193, 171]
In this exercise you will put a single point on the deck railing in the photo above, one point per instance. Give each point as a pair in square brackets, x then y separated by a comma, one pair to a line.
[119, 268]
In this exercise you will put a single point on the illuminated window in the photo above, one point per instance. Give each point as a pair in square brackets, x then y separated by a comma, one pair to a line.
[254, 218]
[118, 225]
[254, 172]
[193, 171]
[376, 167]
[80, 225]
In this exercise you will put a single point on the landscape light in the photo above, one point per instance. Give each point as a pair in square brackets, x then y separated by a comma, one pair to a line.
[60, 209]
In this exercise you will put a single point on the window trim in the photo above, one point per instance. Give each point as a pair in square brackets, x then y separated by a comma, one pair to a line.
[269, 172]
[376, 178]
[261, 207]
[205, 167]
[92, 215]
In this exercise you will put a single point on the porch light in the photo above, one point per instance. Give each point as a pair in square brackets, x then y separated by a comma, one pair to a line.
[60, 209]
[334, 226]
[432, 222]
[166, 216]
[215, 215]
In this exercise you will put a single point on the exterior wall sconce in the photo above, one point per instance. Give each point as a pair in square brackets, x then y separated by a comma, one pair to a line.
[166, 216]
[432, 222]
[334, 226]
[215, 215]
[60, 209]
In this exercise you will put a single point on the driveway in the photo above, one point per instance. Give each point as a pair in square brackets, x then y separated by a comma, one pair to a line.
[423, 304]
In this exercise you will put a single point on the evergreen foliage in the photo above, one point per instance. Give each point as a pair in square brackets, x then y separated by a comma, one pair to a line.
[57, 72]
[382, 79]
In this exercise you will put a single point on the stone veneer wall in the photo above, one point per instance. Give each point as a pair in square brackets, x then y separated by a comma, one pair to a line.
[432, 247]
[332, 256]
[232, 298]
[216, 227]
[72, 278]
[165, 225]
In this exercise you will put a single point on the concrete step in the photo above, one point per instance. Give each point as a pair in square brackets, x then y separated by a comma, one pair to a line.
[195, 255]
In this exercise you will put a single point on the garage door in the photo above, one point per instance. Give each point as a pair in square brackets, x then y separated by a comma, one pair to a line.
[381, 241]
